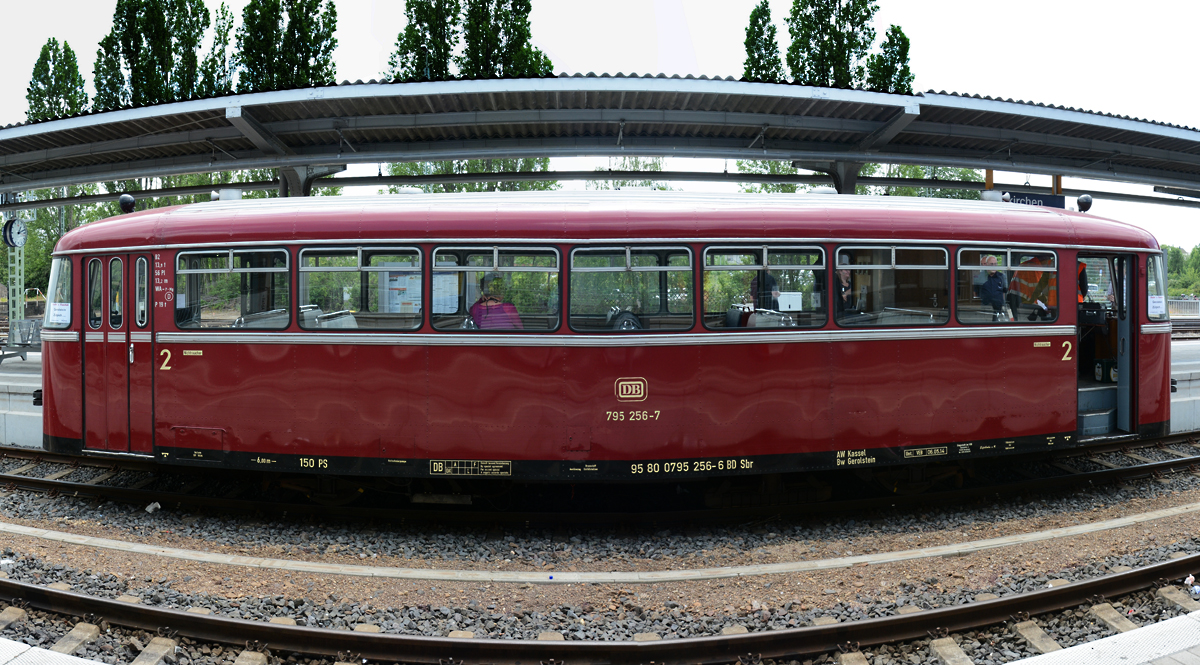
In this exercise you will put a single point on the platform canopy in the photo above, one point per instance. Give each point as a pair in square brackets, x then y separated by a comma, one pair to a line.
[312, 132]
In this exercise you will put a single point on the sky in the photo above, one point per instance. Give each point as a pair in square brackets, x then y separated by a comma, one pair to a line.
[1113, 57]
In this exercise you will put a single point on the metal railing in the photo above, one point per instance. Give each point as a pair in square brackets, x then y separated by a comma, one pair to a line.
[1184, 308]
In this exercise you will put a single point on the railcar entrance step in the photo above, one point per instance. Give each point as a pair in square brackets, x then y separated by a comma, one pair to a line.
[1094, 423]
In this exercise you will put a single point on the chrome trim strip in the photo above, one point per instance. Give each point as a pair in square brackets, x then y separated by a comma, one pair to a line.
[93, 337]
[1147, 328]
[592, 241]
[116, 337]
[60, 335]
[141, 337]
[688, 339]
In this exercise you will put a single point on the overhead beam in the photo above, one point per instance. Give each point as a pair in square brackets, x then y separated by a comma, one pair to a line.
[877, 134]
[542, 176]
[1176, 191]
[721, 148]
[884, 135]
[252, 129]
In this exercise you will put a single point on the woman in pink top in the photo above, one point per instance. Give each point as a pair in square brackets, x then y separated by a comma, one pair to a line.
[492, 313]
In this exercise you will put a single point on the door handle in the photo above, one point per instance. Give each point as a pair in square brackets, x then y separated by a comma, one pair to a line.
[130, 354]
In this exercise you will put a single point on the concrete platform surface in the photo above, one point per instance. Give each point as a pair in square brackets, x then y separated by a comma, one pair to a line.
[15, 653]
[1171, 642]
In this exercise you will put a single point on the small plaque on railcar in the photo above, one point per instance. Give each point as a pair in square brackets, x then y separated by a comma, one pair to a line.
[469, 468]
[925, 452]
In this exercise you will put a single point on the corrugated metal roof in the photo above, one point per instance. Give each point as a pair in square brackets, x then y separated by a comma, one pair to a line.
[589, 114]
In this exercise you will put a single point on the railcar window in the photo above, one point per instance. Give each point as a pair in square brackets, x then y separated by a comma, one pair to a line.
[506, 289]
[891, 286]
[232, 289]
[1156, 290]
[58, 308]
[142, 286]
[116, 292]
[743, 292]
[623, 289]
[1100, 287]
[373, 288]
[95, 294]
[1002, 285]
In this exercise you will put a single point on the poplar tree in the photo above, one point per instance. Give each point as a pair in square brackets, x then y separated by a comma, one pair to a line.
[150, 55]
[424, 50]
[887, 71]
[830, 40]
[112, 90]
[56, 86]
[762, 49]
[216, 75]
[286, 44]
[496, 37]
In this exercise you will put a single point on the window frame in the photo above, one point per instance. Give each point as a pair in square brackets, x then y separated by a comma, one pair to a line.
[946, 267]
[629, 267]
[1159, 261]
[496, 250]
[229, 268]
[141, 289]
[766, 250]
[57, 264]
[360, 268]
[1010, 269]
[95, 277]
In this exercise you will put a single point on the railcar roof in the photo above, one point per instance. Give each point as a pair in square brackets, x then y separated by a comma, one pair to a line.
[600, 215]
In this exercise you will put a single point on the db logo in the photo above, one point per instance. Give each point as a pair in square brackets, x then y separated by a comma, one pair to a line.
[631, 389]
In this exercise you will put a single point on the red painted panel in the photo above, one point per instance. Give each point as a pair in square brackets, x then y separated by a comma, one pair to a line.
[95, 387]
[62, 389]
[117, 403]
[1154, 379]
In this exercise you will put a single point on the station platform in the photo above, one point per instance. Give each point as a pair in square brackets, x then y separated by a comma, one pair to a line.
[16, 653]
[1171, 642]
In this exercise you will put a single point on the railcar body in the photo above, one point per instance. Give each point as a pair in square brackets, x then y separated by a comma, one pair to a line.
[602, 336]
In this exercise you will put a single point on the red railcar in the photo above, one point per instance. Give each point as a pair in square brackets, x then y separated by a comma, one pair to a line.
[601, 336]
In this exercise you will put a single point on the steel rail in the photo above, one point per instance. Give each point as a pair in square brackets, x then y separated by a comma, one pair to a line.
[735, 513]
[786, 643]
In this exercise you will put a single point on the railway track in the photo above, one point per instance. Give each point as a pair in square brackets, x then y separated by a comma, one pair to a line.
[1185, 328]
[784, 644]
[1054, 473]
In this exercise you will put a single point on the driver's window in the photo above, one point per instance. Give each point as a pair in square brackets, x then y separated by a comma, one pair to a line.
[624, 289]
[1095, 281]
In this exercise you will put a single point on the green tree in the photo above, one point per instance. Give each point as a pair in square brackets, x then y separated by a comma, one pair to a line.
[648, 164]
[424, 50]
[187, 20]
[830, 40]
[768, 167]
[1176, 259]
[888, 70]
[931, 173]
[56, 86]
[286, 44]
[112, 90]
[1193, 260]
[216, 75]
[475, 166]
[762, 47]
[150, 55]
[496, 36]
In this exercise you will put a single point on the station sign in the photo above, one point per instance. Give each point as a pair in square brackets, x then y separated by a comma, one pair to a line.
[1048, 200]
